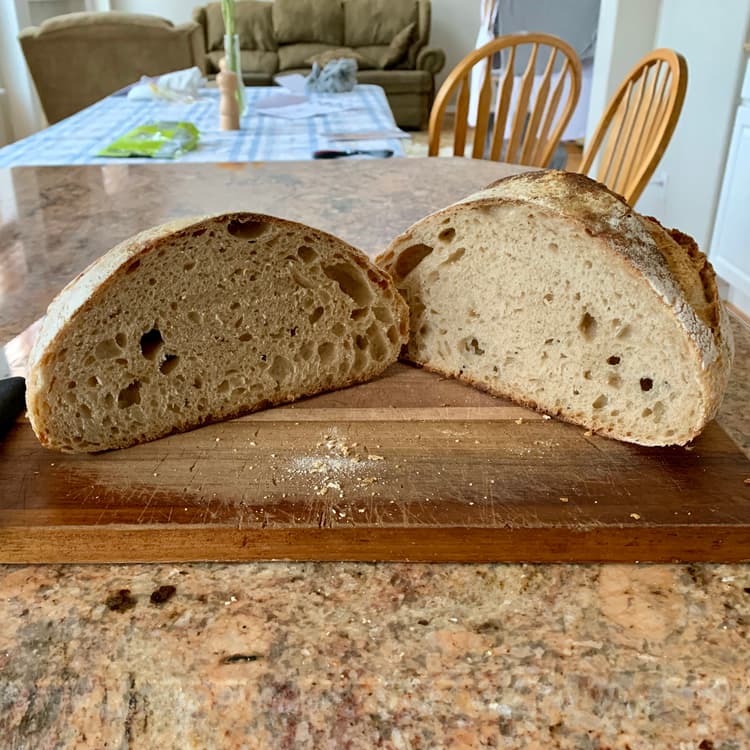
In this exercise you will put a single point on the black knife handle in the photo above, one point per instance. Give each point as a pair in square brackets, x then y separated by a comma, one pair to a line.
[12, 402]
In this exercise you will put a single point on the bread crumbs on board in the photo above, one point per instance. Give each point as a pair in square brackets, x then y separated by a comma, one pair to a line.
[339, 467]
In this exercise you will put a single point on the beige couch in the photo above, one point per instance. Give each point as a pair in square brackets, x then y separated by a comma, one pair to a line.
[78, 58]
[388, 38]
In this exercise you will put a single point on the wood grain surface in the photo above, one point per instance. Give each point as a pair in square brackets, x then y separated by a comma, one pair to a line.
[408, 467]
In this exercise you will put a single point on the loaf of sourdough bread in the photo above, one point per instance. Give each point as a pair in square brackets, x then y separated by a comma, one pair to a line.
[547, 288]
[205, 319]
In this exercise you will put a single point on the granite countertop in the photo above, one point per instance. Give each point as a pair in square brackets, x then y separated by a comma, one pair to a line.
[344, 655]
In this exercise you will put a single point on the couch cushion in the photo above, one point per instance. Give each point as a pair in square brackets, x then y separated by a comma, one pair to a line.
[308, 21]
[251, 61]
[297, 55]
[399, 46]
[374, 53]
[253, 22]
[369, 22]
[323, 58]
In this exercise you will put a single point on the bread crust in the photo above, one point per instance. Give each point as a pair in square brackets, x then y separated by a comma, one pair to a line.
[669, 261]
[83, 293]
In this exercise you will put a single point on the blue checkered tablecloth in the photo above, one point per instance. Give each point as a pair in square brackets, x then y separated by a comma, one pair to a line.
[78, 138]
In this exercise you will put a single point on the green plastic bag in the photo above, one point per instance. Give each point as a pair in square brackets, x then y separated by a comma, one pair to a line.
[158, 140]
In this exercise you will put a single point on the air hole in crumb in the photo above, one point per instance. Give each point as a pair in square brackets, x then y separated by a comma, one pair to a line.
[169, 363]
[93, 381]
[549, 297]
[245, 337]
[613, 360]
[409, 259]
[600, 402]
[378, 347]
[223, 387]
[552, 247]
[107, 349]
[151, 342]
[361, 342]
[383, 314]
[646, 384]
[474, 346]
[351, 282]
[455, 256]
[306, 253]
[121, 361]
[358, 313]
[280, 368]
[246, 229]
[587, 375]
[615, 412]
[189, 266]
[315, 315]
[129, 395]
[121, 339]
[234, 305]
[338, 329]
[447, 234]
[587, 326]
[623, 333]
[293, 331]
[587, 264]
[646, 412]
[614, 380]
[326, 352]
[392, 334]
[133, 266]
[197, 382]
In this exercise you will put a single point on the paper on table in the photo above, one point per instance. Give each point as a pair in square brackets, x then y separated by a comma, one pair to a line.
[298, 111]
[366, 135]
[294, 82]
[282, 99]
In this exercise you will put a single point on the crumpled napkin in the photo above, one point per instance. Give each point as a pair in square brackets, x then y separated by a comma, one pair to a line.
[178, 86]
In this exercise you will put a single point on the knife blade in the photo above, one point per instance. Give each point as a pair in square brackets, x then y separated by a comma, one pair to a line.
[12, 402]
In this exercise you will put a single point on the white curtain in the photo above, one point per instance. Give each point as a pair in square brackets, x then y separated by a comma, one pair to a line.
[488, 12]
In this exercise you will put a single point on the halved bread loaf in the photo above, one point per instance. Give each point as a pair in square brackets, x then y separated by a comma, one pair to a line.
[201, 320]
[547, 288]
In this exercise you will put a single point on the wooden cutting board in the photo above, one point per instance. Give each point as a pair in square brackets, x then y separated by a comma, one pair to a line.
[408, 467]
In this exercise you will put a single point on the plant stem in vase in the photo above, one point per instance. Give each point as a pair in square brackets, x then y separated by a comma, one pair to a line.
[232, 51]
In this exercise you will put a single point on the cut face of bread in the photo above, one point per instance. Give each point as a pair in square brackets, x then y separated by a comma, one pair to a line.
[550, 290]
[202, 320]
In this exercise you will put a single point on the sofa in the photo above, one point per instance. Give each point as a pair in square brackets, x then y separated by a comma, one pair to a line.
[78, 58]
[388, 39]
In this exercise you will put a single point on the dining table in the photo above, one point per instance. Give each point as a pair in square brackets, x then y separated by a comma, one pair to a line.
[221, 652]
[274, 126]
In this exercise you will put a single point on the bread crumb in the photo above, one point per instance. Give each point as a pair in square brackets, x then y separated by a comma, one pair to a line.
[519, 420]
[747, 481]
[588, 433]
[563, 499]
[636, 516]
[546, 417]
[375, 457]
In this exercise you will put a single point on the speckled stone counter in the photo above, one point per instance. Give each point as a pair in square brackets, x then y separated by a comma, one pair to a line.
[293, 655]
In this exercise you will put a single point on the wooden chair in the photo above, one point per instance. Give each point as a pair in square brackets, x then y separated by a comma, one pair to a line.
[528, 122]
[638, 123]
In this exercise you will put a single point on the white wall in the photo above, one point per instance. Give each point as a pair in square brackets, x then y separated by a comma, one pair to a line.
[710, 35]
[177, 11]
[25, 113]
[626, 32]
[455, 24]
[684, 189]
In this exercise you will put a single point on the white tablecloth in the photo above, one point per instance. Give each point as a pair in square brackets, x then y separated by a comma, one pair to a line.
[78, 138]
